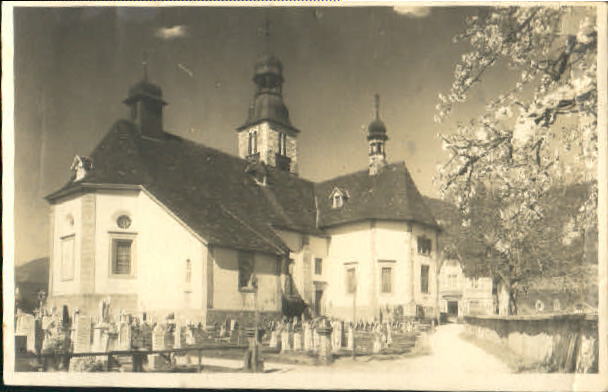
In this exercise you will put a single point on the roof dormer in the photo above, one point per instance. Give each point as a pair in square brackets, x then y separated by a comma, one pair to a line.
[337, 197]
[81, 166]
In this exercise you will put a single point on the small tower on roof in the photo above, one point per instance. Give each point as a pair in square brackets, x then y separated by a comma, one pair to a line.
[376, 137]
[268, 135]
[146, 103]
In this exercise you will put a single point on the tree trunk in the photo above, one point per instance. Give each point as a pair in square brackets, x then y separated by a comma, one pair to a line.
[507, 299]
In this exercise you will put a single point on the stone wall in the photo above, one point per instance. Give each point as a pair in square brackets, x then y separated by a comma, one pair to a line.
[565, 343]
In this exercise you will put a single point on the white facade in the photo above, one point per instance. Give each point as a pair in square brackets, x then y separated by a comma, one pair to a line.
[460, 295]
[387, 270]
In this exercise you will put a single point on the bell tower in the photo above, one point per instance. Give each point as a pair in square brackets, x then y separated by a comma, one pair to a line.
[146, 105]
[268, 135]
[376, 137]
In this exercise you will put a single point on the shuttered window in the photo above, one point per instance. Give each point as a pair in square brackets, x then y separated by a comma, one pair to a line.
[245, 270]
[386, 279]
[121, 264]
[318, 266]
[351, 281]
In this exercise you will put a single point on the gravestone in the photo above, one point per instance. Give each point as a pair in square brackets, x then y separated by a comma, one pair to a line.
[190, 339]
[308, 344]
[26, 326]
[274, 339]
[325, 354]
[297, 341]
[146, 333]
[124, 336]
[336, 337]
[377, 346]
[97, 333]
[82, 336]
[350, 341]
[156, 361]
[315, 339]
[177, 335]
[285, 341]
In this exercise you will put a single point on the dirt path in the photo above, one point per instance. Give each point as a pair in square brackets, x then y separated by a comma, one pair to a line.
[450, 354]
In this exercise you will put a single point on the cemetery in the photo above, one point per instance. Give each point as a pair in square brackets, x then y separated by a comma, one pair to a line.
[113, 340]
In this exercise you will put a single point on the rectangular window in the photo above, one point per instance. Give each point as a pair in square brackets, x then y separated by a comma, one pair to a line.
[424, 245]
[318, 266]
[121, 257]
[424, 278]
[386, 279]
[245, 270]
[351, 282]
[67, 258]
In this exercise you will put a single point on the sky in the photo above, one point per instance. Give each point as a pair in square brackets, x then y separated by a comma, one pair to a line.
[73, 67]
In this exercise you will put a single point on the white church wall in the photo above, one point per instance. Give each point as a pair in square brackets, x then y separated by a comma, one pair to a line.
[158, 266]
[163, 264]
[392, 245]
[350, 247]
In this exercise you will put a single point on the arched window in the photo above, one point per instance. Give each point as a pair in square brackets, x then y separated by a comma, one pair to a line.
[283, 143]
[188, 278]
[252, 146]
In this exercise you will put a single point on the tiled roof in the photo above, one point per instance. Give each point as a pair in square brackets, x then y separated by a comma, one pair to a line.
[205, 188]
[213, 195]
[390, 195]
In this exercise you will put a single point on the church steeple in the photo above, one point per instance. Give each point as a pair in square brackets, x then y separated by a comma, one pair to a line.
[146, 102]
[268, 134]
[376, 137]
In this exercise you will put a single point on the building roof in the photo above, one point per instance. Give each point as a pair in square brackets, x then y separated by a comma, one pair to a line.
[212, 193]
[389, 195]
[268, 107]
[205, 188]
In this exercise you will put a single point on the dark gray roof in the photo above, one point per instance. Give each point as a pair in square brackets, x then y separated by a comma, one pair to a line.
[388, 195]
[206, 188]
[212, 193]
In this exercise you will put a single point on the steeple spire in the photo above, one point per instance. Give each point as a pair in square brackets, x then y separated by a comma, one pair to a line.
[265, 30]
[144, 63]
[376, 137]
[268, 116]
[377, 106]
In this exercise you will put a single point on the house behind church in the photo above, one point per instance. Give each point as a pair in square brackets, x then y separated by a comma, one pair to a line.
[162, 224]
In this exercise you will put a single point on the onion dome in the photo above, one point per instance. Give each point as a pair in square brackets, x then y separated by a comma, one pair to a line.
[267, 64]
[376, 129]
[145, 90]
[268, 102]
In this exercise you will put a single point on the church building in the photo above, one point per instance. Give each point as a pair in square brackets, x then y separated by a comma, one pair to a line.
[161, 224]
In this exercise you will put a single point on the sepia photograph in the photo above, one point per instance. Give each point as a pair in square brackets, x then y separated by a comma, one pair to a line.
[289, 194]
